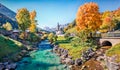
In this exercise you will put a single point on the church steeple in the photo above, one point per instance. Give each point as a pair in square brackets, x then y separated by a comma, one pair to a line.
[58, 26]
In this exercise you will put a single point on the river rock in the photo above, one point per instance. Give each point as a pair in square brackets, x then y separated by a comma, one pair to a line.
[64, 56]
[56, 46]
[19, 57]
[62, 50]
[65, 51]
[62, 61]
[65, 66]
[70, 66]
[59, 50]
[8, 67]
[78, 61]
[87, 54]
[69, 57]
[111, 63]
[55, 49]
[58, 54]
[27, 55]
[11, 66]
[24, 51]
[6, 63]
[21, 54]
[2, 66]
[69, 61]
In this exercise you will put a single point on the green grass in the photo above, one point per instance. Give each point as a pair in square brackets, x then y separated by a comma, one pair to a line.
[75, 52]
[62, 40]
[115, 50]
[9, 46]
[71, 30]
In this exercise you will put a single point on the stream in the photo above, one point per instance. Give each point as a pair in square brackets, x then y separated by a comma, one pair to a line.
[41, 59]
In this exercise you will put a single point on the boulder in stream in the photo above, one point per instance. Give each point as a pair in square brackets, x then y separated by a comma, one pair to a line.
[2, 66]
[10, 66]
[69, 61]
[78, 61]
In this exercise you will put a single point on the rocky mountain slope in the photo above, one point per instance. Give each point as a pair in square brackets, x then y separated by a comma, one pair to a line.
[7, 15]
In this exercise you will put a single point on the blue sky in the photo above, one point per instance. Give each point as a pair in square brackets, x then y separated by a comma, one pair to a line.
[50, 12]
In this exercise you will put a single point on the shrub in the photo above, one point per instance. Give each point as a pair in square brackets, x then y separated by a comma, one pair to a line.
[67, 35]
[33, 37]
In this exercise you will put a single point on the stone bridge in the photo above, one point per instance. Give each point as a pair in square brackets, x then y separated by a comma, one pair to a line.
[109, 40]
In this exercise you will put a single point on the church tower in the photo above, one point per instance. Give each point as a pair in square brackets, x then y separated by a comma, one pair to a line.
[58, 26]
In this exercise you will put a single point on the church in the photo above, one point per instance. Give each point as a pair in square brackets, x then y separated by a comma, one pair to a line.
[59, 30]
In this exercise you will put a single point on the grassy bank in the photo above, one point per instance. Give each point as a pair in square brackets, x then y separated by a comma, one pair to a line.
[75, 52]
[8, 47]
[115, 50]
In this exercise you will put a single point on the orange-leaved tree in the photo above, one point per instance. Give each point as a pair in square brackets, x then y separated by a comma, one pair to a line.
[32, 27]
[88, 18]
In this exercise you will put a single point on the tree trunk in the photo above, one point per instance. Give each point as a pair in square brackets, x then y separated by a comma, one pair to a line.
[24, 37]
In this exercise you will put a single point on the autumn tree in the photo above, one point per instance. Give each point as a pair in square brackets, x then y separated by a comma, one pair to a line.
[116, 18]
[55, 37]
[65, 29]
[70, 25]
[107, 22]
[7, 26]
[50, 37]
[23, 19]
[32, 27]
[88, 18]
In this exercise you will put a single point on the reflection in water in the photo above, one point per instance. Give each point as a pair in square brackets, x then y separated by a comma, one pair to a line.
[41, 59]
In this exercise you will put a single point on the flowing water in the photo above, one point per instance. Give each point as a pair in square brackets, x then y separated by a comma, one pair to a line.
[41, 59]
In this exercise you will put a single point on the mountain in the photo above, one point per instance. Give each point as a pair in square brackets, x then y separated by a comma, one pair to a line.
[7, 15]
[4, 19]
[7, 12]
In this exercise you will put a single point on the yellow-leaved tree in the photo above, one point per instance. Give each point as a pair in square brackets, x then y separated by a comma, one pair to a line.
[23, 19]
[7, 26]
[116, 18]
[32, 27]
[107, 22]
[50, 37]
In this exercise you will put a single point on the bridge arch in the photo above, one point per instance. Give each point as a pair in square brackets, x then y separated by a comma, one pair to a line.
[112, 40]
[106, 43]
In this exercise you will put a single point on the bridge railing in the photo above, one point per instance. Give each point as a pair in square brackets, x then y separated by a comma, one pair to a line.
[110, 34]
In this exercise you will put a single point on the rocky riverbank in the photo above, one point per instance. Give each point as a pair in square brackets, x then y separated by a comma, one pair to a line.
[65, 58]
[9, 63]
[8, 66]
[111, 63]
[89, 60]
